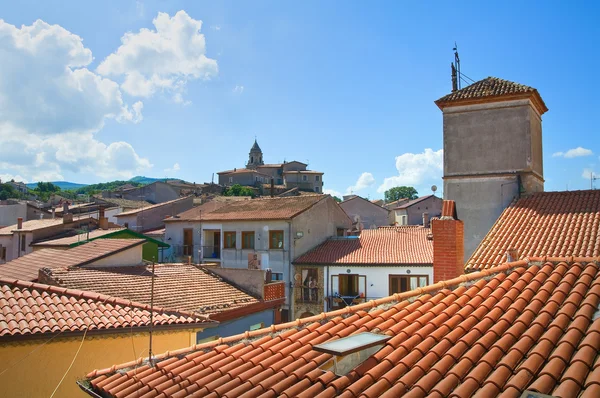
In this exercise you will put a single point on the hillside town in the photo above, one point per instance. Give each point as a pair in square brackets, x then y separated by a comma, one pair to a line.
[260, 283]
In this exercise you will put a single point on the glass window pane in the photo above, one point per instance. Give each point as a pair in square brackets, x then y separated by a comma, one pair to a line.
[413, 282]
[422, 281]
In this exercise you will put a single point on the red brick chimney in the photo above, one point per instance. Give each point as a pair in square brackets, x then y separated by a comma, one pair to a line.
[448, 244]
[20, 223]
[102, 220]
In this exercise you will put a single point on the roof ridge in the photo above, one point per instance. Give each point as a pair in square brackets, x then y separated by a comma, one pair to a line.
[465, 278]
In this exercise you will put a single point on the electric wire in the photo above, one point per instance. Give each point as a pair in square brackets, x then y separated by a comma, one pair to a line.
[72, 362]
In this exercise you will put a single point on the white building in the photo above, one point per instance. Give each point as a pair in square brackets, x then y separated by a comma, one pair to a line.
[259, 233]
[348, 270]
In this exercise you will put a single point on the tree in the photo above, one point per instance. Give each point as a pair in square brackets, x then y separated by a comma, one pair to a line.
[238, 190]
[8, 192]
[393, 194]
[337, 199]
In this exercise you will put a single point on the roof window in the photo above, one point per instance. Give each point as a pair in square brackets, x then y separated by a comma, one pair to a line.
[349, 352]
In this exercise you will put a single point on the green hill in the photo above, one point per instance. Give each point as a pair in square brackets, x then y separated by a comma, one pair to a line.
[63, 185]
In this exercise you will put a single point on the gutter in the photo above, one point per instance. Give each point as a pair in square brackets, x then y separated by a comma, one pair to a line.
[87, 389]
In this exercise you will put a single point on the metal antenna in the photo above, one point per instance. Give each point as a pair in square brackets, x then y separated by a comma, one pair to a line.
[592, 179]
[151, 314]
[457, 63]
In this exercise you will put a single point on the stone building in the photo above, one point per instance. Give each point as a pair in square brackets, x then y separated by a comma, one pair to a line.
[492, 150]
[287, 175]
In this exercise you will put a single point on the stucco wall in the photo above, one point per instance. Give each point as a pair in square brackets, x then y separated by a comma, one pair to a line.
[10, 213]
[371, 215]
[39, 373]
[152, 218]
[132, 256]
[479, 203]
[157, 192]
[432, 206]
[488, 138]
[238, 326]
[251, 280]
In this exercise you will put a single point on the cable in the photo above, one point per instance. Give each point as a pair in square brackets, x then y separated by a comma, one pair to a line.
[462, 74]
[72, 362]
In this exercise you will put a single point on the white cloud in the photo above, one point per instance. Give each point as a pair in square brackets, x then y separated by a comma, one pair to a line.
[164, 59]
[51, 105]
[332, 193]
[364, 181]
[587, 173]
[238, 89]
[7, 177]
[574, 153]
[415, 168]
[173, 169]
[216, 27]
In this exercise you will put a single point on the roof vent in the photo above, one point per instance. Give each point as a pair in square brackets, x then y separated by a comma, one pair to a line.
[349, 352]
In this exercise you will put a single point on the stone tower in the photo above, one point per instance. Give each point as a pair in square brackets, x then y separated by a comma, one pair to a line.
[255, 158]
[492, 151]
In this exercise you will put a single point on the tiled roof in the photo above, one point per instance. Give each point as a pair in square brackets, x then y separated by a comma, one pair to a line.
[413, 202]
[381, 246]
[241, 171]
[69, 240]
[196, 212]
[145, 208]
[34, 225]
[126, 203]
[176, 286]
[27, 267]
[275, 165]
[30, 309]
[258, 209]
[303, 172]
[522, 326]
[491, 88]
[545, 224]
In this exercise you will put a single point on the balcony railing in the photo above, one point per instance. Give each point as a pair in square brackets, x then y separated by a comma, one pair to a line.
[274, 291]
[308, 294]
[211, 252]
[337, 301]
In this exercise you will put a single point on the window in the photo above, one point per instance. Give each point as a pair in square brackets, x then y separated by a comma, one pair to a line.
[316, 189]
[310, 283]
[229, 239]
[279, 181]
[348, 285]
[188, 242]
[275, 239]
[248, 240]
[23, 248]
[231, 180]
[2, 253]
[277, 276]
[317, 178]
[404, 283]
[304, 178]
[340, 232]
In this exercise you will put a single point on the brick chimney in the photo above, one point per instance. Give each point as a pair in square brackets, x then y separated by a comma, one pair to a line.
[102, 220]
[425, 220]
[448, 244]
[20, 223]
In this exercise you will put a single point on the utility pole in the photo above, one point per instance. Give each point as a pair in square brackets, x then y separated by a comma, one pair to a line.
[592, 179]
[151, 314]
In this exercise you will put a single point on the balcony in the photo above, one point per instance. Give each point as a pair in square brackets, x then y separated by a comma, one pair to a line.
[180, 253]
[213, 252]
[274, 291]
[308, 295]
[337, 301]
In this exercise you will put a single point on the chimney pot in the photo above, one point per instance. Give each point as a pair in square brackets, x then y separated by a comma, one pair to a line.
[512, 255]
[272, 187]
[20, 223]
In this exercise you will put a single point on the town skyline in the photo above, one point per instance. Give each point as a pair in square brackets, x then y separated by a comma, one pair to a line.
[351, 92]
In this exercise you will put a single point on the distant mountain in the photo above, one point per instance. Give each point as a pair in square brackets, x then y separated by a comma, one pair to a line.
[64, 185]
[149, 180]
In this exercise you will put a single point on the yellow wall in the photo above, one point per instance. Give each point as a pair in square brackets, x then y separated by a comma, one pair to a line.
[39, 373]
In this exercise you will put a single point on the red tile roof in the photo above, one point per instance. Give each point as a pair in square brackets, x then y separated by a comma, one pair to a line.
[176, 286]
[284, 208]
[521, 326]
[553, 224]
[34, 225]
[197, 211]
[69, 240]
[27, 267]
[139, 210]
[32, 309]
[382, 246]
[491, 88]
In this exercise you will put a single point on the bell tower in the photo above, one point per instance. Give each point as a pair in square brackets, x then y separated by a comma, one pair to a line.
[255, 158]
[492, 150]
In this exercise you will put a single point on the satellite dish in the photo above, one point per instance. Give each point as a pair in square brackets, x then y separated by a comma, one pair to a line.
[433, 188]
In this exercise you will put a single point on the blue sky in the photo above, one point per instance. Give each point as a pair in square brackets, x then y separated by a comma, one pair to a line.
[346, 86]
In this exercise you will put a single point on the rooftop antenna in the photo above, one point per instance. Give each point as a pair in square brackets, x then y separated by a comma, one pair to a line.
[456, 69]
[433, 189]
[592, 179]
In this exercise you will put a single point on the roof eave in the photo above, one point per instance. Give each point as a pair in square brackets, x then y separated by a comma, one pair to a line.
[534, 96]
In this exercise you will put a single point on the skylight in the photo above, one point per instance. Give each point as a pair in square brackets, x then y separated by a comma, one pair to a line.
[349, 352]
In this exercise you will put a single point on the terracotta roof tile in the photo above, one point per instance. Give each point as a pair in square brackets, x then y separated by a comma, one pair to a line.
[553, 224]
[34, 225]
[145, 208]
[490, 88]
[69, 240]
[481, 350]
[176, 286]
[28, 266]
[31, 309]
[284, 208]
[381, 246]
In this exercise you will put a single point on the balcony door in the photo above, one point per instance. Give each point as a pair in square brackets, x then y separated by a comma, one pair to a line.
[188, 241]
